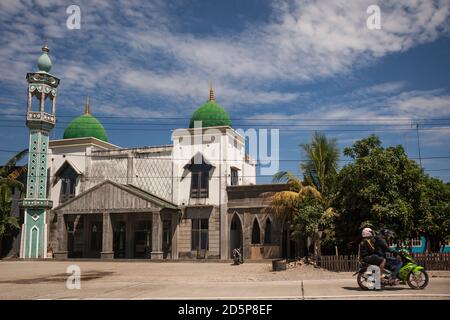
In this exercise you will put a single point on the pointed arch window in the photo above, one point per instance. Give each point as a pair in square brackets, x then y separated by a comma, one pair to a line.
[268, 232]
[68, 173]
[256, 233]
[200, 176]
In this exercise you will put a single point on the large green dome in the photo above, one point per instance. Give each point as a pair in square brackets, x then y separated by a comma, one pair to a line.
[211, 114]
[85, 126]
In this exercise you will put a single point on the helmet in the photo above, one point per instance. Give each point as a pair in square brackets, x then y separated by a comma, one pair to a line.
[387, 233]
[367, 233]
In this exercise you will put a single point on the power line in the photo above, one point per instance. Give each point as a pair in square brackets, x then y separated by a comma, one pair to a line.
[188, 159]
[418, 143]
[140, 123]
[184, 177]
[249, 118]
[290, 130]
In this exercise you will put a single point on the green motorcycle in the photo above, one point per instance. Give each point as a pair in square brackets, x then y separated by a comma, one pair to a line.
[410, 273]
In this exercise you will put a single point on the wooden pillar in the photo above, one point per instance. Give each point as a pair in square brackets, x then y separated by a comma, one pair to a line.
[129, 236]
[86, 235]
[107, 237]
[174, 239]
[157, 227]
[61, 253]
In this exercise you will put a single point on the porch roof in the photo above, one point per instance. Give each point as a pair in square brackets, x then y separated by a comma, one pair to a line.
[109, 196]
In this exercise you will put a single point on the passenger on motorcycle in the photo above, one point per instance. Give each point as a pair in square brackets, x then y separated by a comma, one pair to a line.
[382, 247]
[368, 252]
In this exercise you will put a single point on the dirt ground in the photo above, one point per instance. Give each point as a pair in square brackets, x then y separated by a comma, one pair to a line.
[199, 280]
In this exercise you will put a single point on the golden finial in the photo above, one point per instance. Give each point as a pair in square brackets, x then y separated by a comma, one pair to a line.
[88, 111]
[211, 92]
[45, 47]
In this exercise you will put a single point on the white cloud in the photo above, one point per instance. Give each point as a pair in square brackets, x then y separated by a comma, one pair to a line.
[139, 48]
[422, 104]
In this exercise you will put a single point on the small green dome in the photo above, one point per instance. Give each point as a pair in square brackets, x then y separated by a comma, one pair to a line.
[85, 126]
[44, 63]
[211, 114]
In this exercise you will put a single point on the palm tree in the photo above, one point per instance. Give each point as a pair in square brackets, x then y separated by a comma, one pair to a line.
[283, 203]
[319, 170]
[301, 207]
[7, 184]
[321, 166]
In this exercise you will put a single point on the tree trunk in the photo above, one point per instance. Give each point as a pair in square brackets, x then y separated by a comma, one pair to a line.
[316, 242]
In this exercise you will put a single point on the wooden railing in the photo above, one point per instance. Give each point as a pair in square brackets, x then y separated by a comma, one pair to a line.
[339, 263]
[350, 263]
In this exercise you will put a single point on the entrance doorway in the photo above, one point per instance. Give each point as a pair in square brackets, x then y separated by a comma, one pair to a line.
[143, 239]
[119, 239]
[235, 234]
[75, 236]
[289, 245]
[96, 232]
[167, 239]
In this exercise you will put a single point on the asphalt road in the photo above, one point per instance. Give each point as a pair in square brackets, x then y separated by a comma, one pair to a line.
[114, 280]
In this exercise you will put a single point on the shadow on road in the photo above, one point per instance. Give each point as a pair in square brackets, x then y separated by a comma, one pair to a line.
[384, 289]
[90, 275]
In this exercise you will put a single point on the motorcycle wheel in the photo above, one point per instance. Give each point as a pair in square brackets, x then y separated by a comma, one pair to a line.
[417, 280]
[363, 281]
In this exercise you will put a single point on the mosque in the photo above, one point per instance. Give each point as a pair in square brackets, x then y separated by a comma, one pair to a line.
[195, 198]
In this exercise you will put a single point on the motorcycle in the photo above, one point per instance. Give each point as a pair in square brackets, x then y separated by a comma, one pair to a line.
[410, 273]
[237, 256]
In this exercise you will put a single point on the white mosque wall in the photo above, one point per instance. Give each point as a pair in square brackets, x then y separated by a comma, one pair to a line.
[76, 155]
[223, 148]
[160, 170]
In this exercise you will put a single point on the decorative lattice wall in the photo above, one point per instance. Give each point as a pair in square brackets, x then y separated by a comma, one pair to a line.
[150, 172]
[111, 168]
[154, 175]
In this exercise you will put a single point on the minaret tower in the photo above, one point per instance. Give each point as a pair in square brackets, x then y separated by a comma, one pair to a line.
[42, 89]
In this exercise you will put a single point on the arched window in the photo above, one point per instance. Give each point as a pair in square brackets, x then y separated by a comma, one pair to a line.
[68, 176]
[268, 232]
[256, 234]
[200, 176]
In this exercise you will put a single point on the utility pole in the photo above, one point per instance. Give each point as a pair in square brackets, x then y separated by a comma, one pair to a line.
[418, 144]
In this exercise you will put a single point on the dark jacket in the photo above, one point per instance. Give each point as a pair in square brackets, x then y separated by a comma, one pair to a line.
[367, 247]
[381, 246]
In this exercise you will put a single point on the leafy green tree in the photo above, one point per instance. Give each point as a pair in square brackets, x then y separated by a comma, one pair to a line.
[433, 219]
[381, 188]
[6, 186]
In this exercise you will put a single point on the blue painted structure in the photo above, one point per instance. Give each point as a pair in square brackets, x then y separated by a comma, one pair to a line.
[420, 246]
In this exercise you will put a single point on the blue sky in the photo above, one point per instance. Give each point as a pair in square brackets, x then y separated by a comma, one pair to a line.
[298, 66]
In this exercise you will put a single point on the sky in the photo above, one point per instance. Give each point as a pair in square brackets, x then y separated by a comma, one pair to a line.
[297, 66]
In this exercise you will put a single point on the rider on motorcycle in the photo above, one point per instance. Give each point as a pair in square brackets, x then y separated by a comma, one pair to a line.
[368, 252]
[382, 247]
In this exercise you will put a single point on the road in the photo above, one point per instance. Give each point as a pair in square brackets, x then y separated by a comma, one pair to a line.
[191, 280]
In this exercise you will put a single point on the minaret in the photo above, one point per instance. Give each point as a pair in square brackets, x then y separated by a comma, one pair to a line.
[42, 88]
